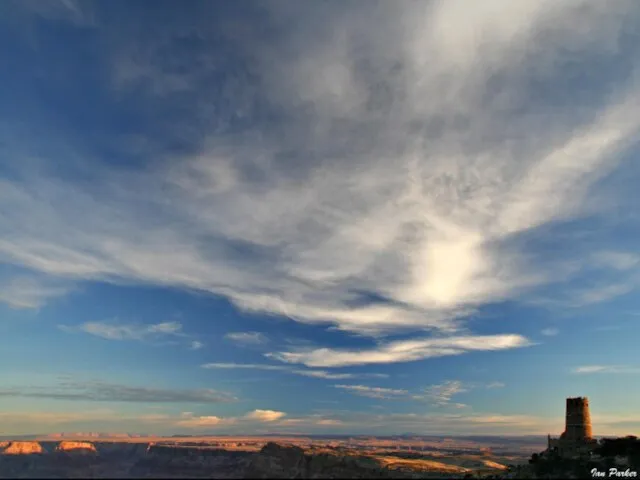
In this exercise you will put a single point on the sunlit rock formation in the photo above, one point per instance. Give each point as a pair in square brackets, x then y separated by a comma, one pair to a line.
[23, 448]
[76, 448]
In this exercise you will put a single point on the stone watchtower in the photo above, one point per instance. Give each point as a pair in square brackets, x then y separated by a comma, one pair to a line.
[578, 420]
[577, 438]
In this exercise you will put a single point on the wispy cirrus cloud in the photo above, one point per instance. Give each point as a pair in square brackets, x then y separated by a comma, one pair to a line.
[124, 331]
[617, 260]
[247, 338]
[296, 371]
[495, 385]
[29, 291]
[108, 392]
[196, 345]
[374, 392]
[305, 215]
[323, 374]
[401, 351]
[440, 395]
[608, 369]
[245, 366]
[550, 332]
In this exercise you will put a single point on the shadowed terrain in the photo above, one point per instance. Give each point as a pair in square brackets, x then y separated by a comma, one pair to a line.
[260, 457]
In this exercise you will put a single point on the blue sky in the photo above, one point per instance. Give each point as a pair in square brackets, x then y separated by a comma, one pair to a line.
[372, 217]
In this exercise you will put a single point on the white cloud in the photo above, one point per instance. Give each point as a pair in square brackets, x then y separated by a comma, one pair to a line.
[441, 394]
[265, 415]
[283, 368]
[374, 392]
[495, 385]
[586, 369]
[191, 421]
[401, 351]
[89, 391]
[604, 293]
[196, 345]
[165, 328]
[323, 374]
[576, 298]
[122, 331]
[410, 177]
[617, 260]
[247, 338]
[550, 332]
[31, 292]
[249, 366]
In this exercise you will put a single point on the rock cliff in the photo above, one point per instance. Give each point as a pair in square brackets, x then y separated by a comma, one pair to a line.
[85, 448]
[23, 448]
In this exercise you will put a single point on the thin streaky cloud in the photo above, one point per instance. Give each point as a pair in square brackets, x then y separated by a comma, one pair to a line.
[284, 368]
[29, 292]
[106, 392]
[550, 332]
[247, 338]
[495, 385]
[247, 366]
[617, 260]
[606, 369]
[374, 392]
[438, 395]
[123, 331]
[441, 394]
[401, 351]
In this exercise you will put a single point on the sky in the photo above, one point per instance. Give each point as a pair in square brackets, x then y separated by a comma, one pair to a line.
[319, 217]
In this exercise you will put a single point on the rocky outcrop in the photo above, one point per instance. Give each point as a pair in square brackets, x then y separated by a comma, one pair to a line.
[179, 451]
[23, 448]
[278, 461]
[83, 448]
[281, 461]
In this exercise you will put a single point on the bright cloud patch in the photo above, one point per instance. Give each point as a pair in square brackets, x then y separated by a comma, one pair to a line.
[265, 415]
[190, 421]
[401, 351]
